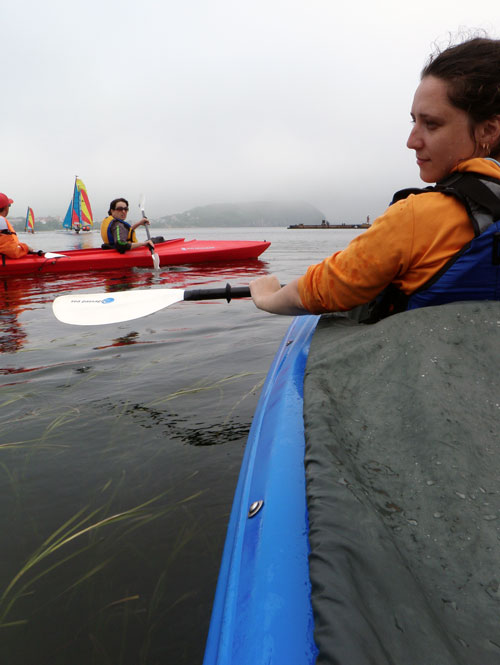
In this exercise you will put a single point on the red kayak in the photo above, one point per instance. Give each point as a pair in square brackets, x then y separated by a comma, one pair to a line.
[171, 253]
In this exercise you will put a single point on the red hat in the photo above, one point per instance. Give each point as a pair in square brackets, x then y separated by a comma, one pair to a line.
[5, 201]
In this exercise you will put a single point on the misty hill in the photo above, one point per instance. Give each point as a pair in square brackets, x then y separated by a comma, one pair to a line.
[256, 213]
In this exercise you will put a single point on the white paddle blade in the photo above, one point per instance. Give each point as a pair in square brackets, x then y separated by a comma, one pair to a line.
[53, 255]
[95, 309]
[156, 261]
[142, 204]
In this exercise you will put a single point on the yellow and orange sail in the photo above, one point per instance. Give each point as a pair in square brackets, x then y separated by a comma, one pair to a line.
[29, 226]
[79, 215]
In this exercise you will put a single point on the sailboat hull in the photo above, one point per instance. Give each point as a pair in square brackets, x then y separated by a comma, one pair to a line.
[172, 252]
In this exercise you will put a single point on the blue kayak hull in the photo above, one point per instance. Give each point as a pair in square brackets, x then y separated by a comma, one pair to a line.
[262, 611]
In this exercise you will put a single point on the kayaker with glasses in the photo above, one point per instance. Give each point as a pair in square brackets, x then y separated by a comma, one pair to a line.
[118, 234]
[10, 245]
[420, 250]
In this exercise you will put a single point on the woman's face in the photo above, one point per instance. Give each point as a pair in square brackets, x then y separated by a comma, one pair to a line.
[120, 211]
[441, 134]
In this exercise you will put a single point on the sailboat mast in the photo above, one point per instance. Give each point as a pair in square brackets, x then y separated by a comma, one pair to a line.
[75, 227]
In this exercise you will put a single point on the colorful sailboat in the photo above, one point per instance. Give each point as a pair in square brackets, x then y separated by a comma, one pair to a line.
[29, 225]
[79, 215]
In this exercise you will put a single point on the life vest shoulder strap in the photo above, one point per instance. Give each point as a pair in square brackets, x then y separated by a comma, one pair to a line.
[478, 193]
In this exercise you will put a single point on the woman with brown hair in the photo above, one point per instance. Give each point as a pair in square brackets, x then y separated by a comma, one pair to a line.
[423, 234]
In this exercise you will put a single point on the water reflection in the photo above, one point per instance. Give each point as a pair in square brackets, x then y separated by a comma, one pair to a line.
[18, 294]
[12, 335]
[84, 241]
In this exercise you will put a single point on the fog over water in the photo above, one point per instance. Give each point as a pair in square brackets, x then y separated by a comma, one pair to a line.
[195, 103]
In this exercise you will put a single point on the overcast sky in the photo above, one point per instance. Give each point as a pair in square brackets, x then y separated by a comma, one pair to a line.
[194, 102]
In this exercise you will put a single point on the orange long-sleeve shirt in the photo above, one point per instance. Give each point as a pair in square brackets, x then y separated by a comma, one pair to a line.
[9, 242]
[406, 246]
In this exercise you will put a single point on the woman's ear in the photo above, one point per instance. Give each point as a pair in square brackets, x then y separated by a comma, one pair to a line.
[488, 132]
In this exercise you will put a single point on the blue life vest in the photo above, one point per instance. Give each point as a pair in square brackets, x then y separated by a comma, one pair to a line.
[473, 273]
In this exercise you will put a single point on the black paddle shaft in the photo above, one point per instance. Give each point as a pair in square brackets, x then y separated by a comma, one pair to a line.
[228, 293]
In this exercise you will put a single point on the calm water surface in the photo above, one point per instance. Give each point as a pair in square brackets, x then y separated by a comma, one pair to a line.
[120, 449]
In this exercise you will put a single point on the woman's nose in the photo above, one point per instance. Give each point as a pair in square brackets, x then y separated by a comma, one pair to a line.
[414, 141]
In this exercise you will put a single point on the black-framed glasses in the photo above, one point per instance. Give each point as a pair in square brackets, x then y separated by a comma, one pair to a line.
[121, 209]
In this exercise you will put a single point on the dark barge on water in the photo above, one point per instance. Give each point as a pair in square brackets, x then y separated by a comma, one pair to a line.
[326, 225]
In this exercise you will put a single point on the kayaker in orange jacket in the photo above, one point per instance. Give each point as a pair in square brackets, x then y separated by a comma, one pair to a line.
[10, 244]
[456, 128]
